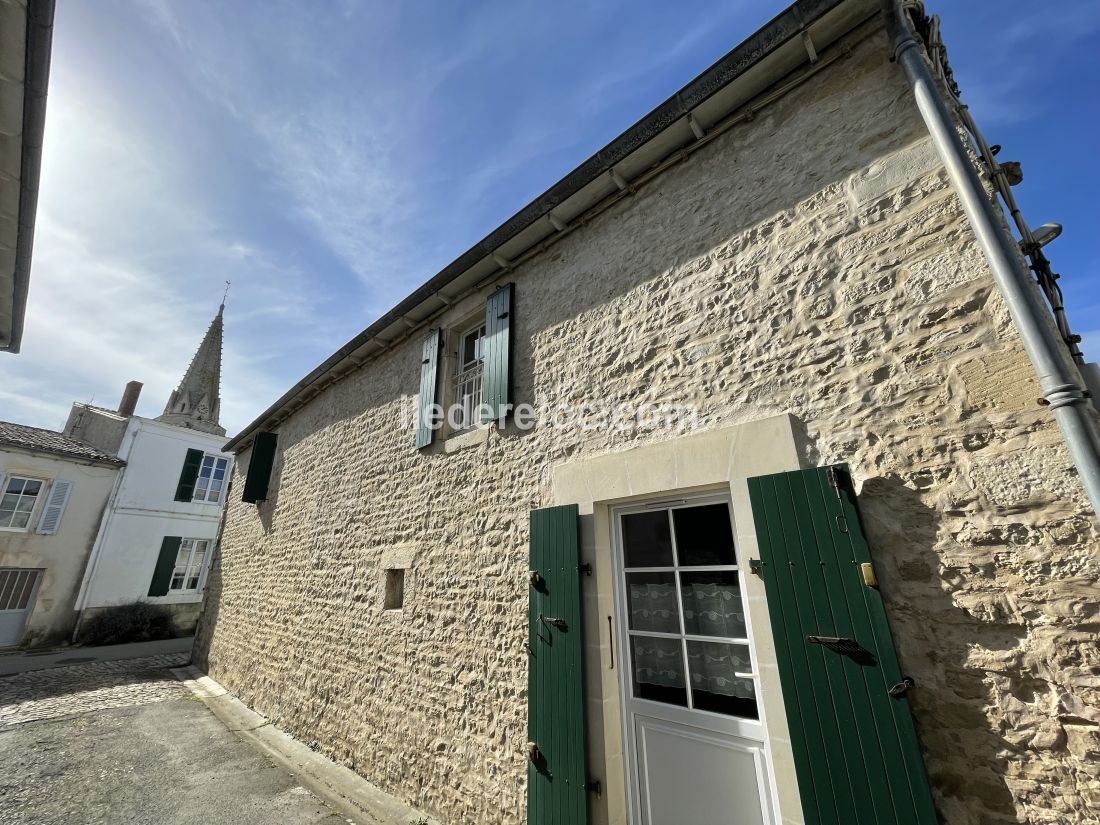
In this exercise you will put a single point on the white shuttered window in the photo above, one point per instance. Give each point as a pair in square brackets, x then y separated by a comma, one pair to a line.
[56, 501]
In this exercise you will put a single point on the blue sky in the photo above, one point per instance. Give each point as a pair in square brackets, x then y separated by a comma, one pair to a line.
[329, 157]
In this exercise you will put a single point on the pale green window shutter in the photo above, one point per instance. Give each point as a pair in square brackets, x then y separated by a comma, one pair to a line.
[262, 460]
[166, 563]
[50, 522]
[497, 385]
[429, 387]
[192, 463]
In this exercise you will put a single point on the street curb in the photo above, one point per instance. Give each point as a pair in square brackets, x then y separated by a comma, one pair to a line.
[342, 788]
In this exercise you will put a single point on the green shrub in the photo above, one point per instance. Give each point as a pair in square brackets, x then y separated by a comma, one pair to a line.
[133, 622]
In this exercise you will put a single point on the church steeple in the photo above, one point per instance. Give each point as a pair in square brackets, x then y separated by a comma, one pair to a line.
[196, 402]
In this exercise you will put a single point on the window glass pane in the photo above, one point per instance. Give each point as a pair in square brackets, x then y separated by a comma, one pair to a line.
[31, 487]
[9, 501]
[704, 535]
[25, 504]
[177, 581]
[21, 520]
[715, 685]
[658, 669]
[469, 348]
[653, 604]
[200, 488]
[15, 486]
[6, 517]
[646, 539]
[712, 604]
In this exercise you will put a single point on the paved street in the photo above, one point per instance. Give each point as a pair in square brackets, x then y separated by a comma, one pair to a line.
[125, 742]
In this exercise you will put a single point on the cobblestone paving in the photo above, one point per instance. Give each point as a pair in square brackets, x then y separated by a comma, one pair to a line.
[65, 691]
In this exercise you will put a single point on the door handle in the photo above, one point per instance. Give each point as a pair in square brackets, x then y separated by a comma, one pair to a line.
[744, 675]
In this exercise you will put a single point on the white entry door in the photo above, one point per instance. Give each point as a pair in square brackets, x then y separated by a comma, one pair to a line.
[17, 591]
[693, 735]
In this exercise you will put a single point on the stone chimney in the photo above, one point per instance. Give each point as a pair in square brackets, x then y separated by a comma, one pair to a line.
[129, 400]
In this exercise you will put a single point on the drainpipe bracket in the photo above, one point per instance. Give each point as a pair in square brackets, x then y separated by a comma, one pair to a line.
[1063, 395]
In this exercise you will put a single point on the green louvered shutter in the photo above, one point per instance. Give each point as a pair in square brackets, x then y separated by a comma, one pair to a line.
[258, 478]
[855, 746]
[192, 463]
[429, 387]
[557, 778]
[166, 563]
[497, 386]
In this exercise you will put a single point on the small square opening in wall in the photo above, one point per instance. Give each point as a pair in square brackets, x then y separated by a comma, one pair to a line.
[395, 589]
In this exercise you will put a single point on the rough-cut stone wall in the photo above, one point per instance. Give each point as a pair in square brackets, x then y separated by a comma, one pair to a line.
[813, 261]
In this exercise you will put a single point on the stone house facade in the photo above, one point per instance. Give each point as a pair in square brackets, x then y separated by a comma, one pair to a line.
[769, 274]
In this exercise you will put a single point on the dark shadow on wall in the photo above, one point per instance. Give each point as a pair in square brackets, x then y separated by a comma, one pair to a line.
[967, 757]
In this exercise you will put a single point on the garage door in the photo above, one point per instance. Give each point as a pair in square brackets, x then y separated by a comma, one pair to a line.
[17, 591]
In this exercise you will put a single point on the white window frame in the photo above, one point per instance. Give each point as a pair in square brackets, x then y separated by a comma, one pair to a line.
[190, 569]
[203, 497]
[39, 496]
[469, 377]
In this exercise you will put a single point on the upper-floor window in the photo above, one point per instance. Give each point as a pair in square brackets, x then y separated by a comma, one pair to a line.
[189, 565]
[468, 377]
[17, 504]
[211, 479]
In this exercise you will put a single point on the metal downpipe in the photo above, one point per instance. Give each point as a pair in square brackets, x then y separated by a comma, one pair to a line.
[1059, 381]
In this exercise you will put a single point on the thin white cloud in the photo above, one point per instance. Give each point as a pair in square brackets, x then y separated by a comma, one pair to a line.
[128, 270]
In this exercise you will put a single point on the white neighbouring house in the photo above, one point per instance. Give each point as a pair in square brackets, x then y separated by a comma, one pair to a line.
[162, 520]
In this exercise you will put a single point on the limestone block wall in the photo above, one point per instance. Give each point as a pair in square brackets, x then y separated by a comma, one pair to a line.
[812, 261]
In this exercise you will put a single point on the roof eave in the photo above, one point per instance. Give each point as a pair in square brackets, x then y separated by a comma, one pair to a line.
[105, 461]
[39, 42]
[825, 20]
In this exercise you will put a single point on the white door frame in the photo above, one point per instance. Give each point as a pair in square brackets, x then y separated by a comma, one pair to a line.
[755, 731]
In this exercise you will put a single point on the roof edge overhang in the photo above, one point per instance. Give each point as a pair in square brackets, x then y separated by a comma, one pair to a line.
[36, 77]
[788, 42]
[63, 455]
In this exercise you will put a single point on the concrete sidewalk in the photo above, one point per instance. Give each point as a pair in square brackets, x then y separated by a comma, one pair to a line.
[22, 662]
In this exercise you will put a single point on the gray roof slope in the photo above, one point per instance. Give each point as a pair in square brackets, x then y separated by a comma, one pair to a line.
[39, 440]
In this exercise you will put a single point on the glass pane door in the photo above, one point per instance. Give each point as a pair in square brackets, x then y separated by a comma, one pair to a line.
[688, 638]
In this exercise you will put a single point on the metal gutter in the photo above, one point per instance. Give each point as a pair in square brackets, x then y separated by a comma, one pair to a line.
[36, 78]
[681, 111]
[1059, 380]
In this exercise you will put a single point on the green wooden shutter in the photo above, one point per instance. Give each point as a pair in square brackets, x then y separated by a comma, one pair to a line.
[258, 478]
[855, 746]
[166, 563]
[192, 463]
[496, 390]
[429, 387]
[557, 779]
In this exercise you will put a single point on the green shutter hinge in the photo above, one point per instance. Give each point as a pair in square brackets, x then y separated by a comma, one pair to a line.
[595, 787]
[756, 567]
